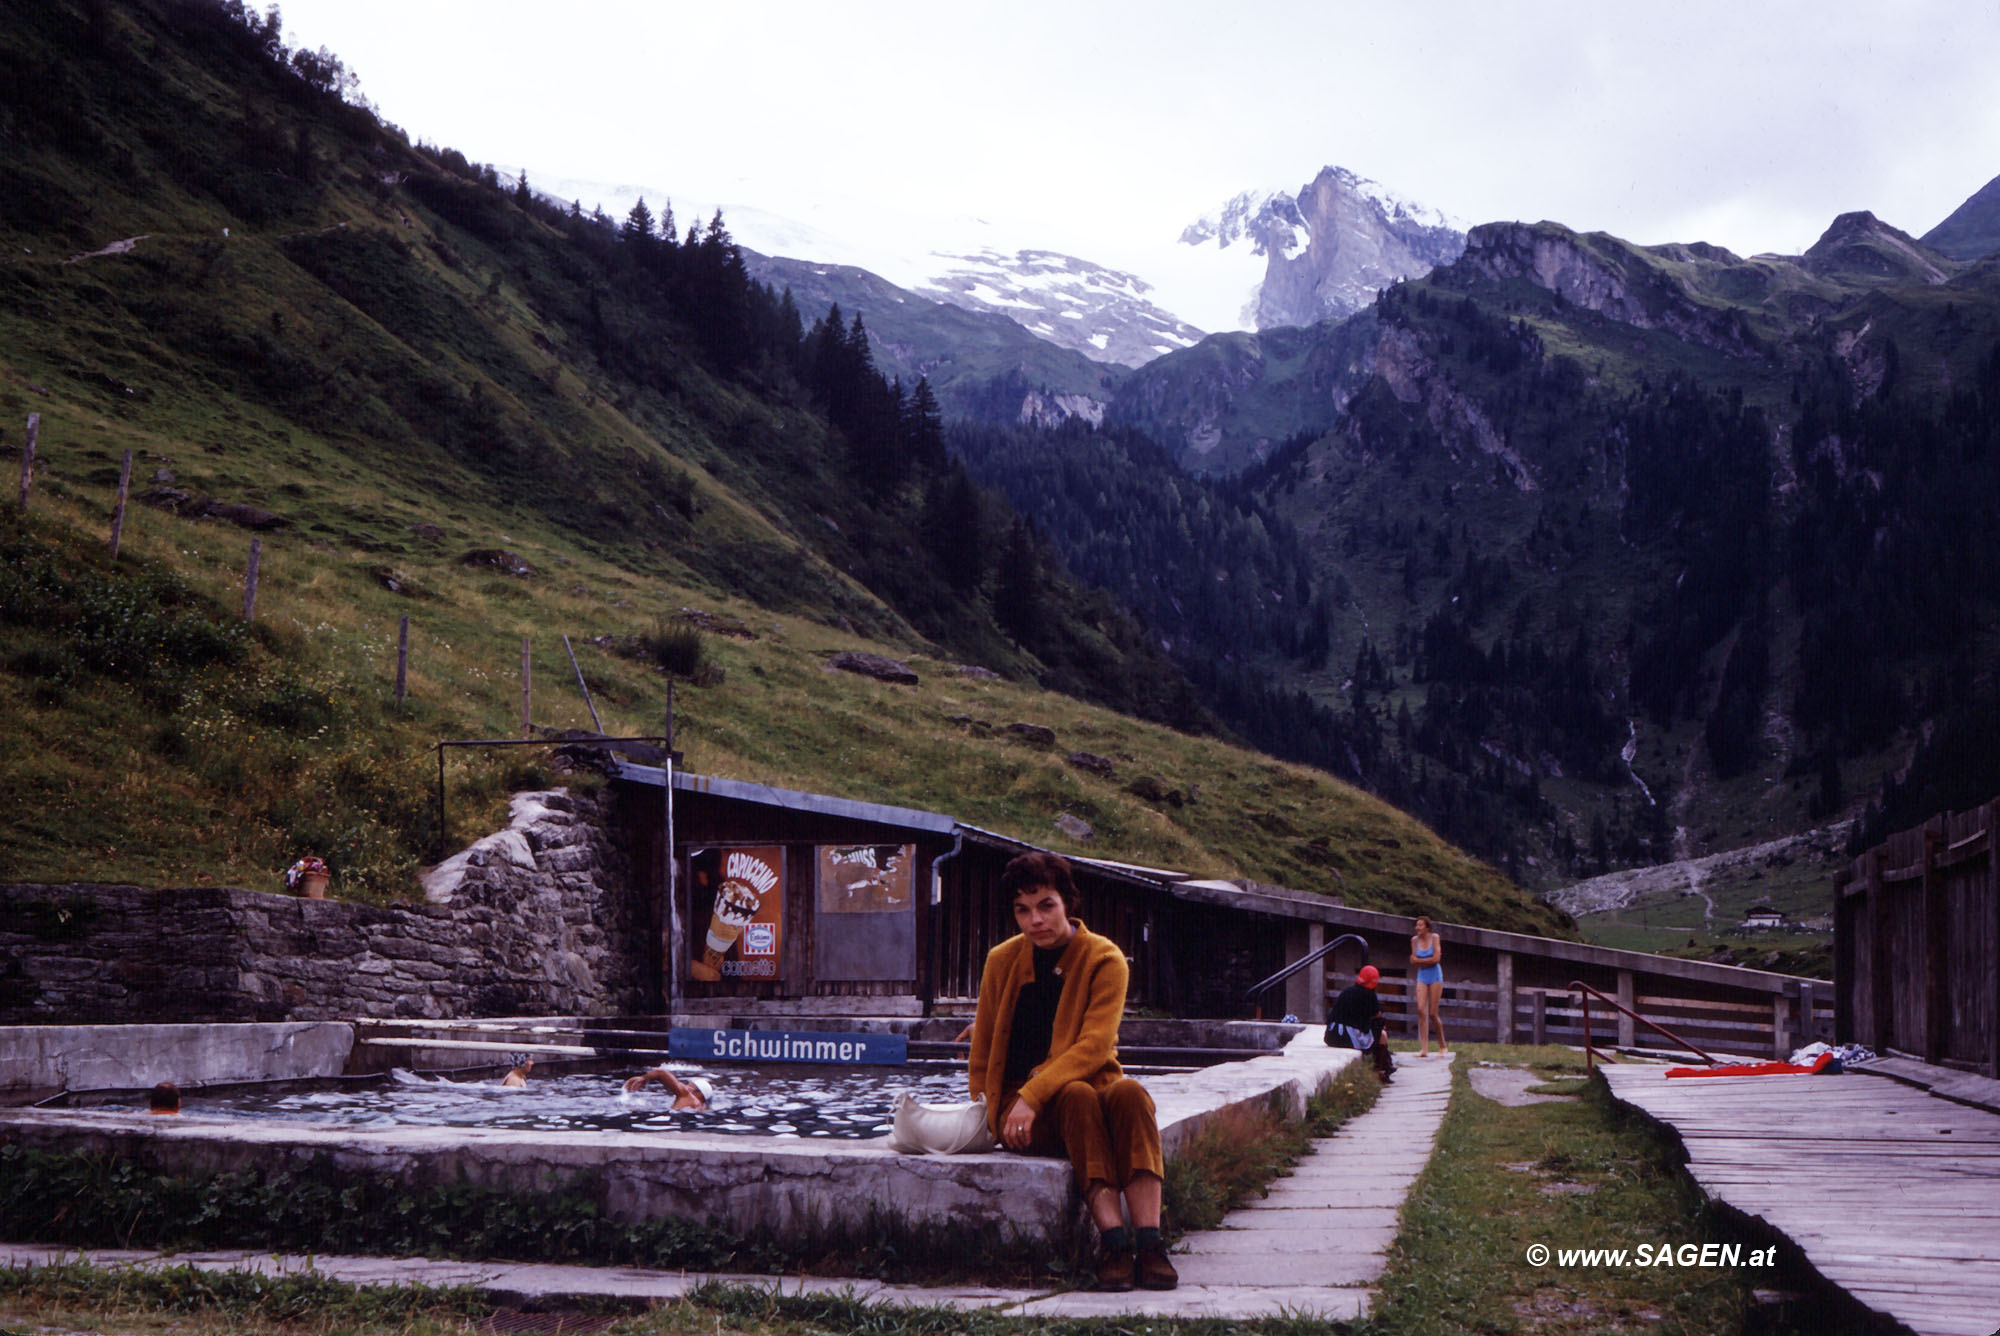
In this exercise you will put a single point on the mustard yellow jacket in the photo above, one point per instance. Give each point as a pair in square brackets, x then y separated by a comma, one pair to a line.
[1083, 1045]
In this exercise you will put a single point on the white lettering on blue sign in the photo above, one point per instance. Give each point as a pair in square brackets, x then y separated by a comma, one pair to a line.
[788, 1046]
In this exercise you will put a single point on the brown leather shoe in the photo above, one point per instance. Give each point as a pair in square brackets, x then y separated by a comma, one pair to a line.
[1114, 1271]
[1153, 1271]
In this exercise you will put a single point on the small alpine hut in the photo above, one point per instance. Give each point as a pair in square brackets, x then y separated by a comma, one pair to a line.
[789, 902]
[775, 902]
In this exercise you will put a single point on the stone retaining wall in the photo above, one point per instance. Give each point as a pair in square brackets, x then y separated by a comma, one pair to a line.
[542, 918]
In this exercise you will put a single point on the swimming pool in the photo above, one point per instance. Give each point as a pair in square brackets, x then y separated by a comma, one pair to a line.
[773, 1100]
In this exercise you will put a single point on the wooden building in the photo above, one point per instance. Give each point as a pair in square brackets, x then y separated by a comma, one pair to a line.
[1916, 943]
[779, 902]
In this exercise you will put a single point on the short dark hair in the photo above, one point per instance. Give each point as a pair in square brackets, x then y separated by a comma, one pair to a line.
[165, 1096]
[1040, 868]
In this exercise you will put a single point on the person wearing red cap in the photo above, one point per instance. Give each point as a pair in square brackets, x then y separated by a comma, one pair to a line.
[1357, 1021]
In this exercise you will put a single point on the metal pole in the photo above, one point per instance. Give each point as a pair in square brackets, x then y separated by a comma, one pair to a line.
[582, 685]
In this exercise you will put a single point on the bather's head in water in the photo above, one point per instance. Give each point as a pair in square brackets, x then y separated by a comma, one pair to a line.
[519, 1076]
[164, 1098]
[692, 1093]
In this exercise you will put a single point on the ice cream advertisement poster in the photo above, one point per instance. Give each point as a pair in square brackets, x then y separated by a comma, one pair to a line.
[738, 913]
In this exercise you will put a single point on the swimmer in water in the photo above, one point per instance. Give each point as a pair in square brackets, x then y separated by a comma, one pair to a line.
[692, 1093]
[519, 1076]
[164, 1099]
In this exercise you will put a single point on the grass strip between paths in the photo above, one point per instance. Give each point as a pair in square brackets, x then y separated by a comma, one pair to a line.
[1578, 1173]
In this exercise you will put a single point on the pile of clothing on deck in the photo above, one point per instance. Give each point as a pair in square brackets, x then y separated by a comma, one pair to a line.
[1844, 1055]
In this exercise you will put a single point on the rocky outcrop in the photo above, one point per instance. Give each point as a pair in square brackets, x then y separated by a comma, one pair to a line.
[1603, 274]
[877, 666]
[542, 918]
[1039, 409]
[1330, 248]
[1463, 427]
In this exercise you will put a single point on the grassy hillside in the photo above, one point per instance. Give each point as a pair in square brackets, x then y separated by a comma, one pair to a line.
[433, 397]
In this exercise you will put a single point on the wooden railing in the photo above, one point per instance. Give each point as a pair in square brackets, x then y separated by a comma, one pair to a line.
[1551, 1015]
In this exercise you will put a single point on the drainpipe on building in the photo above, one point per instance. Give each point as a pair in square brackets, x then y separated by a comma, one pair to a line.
[937, 898]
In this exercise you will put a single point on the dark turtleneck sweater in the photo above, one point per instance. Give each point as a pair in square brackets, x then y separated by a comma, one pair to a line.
[1034, 1017]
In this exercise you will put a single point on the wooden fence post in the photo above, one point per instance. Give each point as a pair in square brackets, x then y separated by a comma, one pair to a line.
[1628, 1034]
[28, 458]
[250, 580]
[1881, 983]
[1937, 996]
[1503, 997]
[118, 511]
[402, 657]
[527, 672]
[1540, 1024]
[1781, 1032]
[1993, 899]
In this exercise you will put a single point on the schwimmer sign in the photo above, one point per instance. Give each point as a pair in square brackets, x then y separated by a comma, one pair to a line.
[786, 1046]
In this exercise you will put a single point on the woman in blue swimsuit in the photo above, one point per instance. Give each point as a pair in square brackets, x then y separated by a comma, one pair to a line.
[1427, 974]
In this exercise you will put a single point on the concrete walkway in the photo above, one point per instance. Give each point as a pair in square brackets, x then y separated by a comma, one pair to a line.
[1314, 1244]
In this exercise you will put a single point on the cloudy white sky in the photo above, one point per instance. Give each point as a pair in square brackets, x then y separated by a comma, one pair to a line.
[1749, 124]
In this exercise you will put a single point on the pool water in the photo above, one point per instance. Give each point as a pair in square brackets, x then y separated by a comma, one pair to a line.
[750, 1100]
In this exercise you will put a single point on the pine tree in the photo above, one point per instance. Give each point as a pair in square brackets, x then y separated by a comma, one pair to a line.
[924, 427]
[639, 222]
[1017, 586]
[955, 531]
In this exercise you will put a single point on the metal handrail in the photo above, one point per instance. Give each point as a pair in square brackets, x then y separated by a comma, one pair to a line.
[1318, 953]
[1585, 992]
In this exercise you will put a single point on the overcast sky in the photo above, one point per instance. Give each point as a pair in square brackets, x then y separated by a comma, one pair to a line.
[1749, 124]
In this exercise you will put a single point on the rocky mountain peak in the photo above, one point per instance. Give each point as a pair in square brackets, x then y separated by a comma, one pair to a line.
[1973, 230]
[1860, 245]
[1327, 248]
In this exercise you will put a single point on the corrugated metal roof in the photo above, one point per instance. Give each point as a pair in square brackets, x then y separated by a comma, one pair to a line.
[822, 804]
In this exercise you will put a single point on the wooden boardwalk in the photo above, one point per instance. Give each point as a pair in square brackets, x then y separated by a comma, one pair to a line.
[1891, 1193]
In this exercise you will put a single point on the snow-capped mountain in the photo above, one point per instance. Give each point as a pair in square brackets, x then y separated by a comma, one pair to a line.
[1324, 252]
[1105, 314]
[1264, 258]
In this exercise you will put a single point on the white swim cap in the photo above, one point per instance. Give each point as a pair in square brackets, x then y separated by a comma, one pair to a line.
[705, 1086]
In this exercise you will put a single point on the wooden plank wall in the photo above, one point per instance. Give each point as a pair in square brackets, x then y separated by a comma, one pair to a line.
[1917, 943]
[1199, 959]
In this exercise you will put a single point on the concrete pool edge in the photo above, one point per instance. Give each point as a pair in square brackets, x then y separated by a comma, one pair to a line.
[41, 1060]
[793, 1189]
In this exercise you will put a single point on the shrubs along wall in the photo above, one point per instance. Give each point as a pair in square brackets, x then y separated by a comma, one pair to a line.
[542, 918]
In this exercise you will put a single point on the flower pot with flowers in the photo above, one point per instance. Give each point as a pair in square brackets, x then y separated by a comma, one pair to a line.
[308, 877]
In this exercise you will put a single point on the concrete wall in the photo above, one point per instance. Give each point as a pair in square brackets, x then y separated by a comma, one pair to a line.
[538, 919]
[737, 1183]
[39, 1060]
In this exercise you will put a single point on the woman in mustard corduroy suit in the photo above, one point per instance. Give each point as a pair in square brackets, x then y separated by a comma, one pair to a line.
[1045, 1056]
